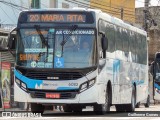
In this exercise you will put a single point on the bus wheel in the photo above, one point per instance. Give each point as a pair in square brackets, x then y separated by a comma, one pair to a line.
[37, 108]
[67, 108]
[101, 109]
[147, 104]
[120, 108]
[138, 105]
[131, 107]
[77, 109]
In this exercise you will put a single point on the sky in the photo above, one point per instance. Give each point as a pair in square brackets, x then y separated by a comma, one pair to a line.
[140, 3]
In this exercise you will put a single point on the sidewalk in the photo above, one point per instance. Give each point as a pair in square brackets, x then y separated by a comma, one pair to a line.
[13, 109]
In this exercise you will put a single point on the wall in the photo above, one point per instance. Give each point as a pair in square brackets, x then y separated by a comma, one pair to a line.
[154, 31]
[71, 3]
[113, 7]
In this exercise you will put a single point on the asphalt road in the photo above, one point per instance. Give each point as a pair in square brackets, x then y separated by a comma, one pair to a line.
[151, 113]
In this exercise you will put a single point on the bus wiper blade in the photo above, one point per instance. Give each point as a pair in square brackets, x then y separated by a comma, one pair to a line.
[73, 28]
[44, 42]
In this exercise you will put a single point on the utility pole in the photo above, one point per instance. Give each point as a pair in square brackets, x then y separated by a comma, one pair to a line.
[122, 13]
[146, 7]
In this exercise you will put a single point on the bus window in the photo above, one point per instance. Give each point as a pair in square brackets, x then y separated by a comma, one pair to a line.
[138, 48]
[132, 46]
[111, 39]
[144, 50]
[125, 38]
[119, 43]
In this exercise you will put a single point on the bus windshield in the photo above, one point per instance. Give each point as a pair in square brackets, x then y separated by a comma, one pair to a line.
[55, 48]
[157, 71]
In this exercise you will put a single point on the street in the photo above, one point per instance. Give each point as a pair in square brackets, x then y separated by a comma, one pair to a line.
[151, 113]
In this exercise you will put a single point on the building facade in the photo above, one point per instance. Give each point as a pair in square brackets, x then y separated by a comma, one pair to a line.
[153, 30]
[123, 9]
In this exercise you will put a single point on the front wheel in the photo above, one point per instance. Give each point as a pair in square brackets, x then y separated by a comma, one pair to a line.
[37, 108]
[103, 108]
[138, 105]
[131, 107]
[67, 108]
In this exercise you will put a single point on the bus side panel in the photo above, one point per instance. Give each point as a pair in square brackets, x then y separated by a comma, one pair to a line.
[115, 86]
[19, 94]
[104, 76]
[142, 84]
[125, 82]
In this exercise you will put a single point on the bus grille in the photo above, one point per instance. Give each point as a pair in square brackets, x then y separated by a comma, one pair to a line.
[63, 95]
[53, 75]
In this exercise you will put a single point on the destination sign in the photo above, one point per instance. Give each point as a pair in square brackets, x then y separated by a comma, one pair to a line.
[80, 18]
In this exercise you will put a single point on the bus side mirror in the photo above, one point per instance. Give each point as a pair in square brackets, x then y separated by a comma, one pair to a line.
[104, 43]
[11, 38]
[3, 43]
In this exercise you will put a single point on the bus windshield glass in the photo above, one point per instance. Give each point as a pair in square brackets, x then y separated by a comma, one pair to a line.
[157, 71]
[55, 48]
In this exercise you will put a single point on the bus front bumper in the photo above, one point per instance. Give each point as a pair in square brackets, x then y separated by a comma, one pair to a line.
[90, 95]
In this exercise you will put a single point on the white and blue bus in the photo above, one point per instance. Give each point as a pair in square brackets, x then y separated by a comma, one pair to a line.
[54, 68]
[155, 71]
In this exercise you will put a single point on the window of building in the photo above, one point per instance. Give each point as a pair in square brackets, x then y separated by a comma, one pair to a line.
[35, 4]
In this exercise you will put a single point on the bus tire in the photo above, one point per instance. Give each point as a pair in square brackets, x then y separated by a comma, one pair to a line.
[138, 105]
[102, 109]
[131, 107]
[37, 108]
[67, 108]
[147, 104]
[120, 108]
[77, 109]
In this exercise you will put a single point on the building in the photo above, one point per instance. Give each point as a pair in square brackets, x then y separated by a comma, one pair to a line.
[123, 9]
[153, 31]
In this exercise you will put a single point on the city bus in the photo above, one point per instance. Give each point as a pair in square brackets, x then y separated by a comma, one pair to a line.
[54, 68]
[155, 71]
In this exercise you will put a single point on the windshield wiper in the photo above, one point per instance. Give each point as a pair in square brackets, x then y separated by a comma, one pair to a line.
[44, 42]
[73, 28]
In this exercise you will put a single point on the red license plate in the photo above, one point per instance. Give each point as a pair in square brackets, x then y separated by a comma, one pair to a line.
[52, 95]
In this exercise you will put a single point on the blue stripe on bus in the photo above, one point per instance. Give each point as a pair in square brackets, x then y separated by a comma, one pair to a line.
[156, 86]
[116, 65]
[31, 83]
[67, 88]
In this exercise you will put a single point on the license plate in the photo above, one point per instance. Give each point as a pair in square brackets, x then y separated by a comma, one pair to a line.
[52, 95]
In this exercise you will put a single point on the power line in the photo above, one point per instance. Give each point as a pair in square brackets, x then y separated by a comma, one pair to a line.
[6, 14]
[13, 4]
[118, 7]
[99, 6]
[87, 5]
[13, 11]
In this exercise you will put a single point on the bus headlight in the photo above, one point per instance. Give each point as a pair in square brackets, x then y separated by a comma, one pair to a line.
[91, 82]
[84, 86]
[21, 84]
